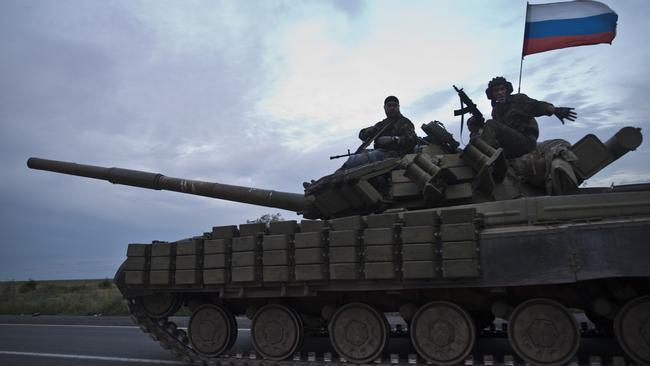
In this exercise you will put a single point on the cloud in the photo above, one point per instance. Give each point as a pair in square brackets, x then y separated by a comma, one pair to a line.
[255, 94]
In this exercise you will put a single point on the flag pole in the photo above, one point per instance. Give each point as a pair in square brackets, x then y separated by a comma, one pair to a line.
[521, 64]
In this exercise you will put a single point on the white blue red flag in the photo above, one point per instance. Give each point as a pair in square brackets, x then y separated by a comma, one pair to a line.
[567, 24]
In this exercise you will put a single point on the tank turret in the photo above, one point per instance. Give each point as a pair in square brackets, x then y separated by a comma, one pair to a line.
[437, 174]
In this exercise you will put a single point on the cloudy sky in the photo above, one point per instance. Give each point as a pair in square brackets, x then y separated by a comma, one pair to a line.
[255, 93]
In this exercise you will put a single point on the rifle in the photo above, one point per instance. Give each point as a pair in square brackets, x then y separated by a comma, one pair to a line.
[466, 106]
[341, 156]
[366, 142]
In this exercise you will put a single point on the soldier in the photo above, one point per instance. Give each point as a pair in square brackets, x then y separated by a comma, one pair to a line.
[513, 126]
[393, 137]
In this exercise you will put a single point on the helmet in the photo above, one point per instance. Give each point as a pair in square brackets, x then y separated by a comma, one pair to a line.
[499, 80]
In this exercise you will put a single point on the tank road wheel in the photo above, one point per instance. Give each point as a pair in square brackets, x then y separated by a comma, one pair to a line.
[543, 332]
[160, 306]
[442, 333]
[276, 332]
[358, 332]
[632, 329]
[212, 330]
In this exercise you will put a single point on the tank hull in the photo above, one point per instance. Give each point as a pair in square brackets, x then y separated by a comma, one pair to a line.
[516, 260]
[528, 241]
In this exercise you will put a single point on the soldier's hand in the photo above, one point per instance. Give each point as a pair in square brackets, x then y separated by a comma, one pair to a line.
[386, 141]
[565, 112]
[475, 123]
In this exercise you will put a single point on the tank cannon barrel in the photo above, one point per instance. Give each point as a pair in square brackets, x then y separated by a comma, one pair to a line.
[262, 197]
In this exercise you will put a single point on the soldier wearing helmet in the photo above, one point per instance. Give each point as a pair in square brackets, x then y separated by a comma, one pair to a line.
[513, 126]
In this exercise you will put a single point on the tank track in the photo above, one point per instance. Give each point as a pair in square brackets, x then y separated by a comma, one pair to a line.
[174, 339]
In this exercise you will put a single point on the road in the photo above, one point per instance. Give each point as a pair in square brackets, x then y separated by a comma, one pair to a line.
[51, 341]
[104, 341]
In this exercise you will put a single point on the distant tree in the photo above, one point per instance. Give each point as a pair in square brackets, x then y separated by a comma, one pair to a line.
[28, 286]
[105, 283]
[266, 219]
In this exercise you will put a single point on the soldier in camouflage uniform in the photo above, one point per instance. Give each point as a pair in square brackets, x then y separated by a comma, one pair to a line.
[513, 126]
[397, 139]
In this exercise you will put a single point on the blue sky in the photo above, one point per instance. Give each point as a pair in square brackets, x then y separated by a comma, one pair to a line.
[255, 93]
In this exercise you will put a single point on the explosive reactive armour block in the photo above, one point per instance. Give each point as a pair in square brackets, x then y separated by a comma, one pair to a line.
[214, 276]
[135, 263]
[378, 236]
[404, 190]
[344, 238]
[457, 232]
[214, 261]
[243, 274]
[186, 262]
[224, 232]
[161, 249]
[459, 250]
[344, 271]
[160, 263]
[378, 253]
[343, 255]
[307, 226]
[134, 277]
[459, 191]
[310, 272]
[274, 242]
[243, 259]
[379, 270]
[458, 216]
[186, 277]
[276, 274]
[188, 247]
[216, 246]
[159, 277]
[275, 258]
[251, 229]
[457, 268]
[397, 176]
[137, 250]
[418, 252]
[308, 240]
[347, 223]
[244, 244]
[592, 154]
[420, 218]
[309, 256]
[331, 201]
[283, 227]
[462, 173]
[418, 269]
[381, 220]
[418, 234]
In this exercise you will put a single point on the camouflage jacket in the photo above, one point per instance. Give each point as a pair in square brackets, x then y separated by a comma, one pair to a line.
[519, 112]
[403, 128]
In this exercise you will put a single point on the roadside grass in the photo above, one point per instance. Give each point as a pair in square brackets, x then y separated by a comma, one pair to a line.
[72, 297]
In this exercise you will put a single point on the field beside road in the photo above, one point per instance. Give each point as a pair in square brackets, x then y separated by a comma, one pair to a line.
[70, 297]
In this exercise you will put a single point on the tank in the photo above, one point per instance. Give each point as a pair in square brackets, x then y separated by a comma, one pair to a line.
[449, 239]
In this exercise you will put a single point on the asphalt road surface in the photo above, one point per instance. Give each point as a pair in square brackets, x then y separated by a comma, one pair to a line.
[57, 341]
[51, 341]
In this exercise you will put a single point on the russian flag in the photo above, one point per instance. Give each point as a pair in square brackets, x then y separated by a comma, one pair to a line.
[567, 24]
